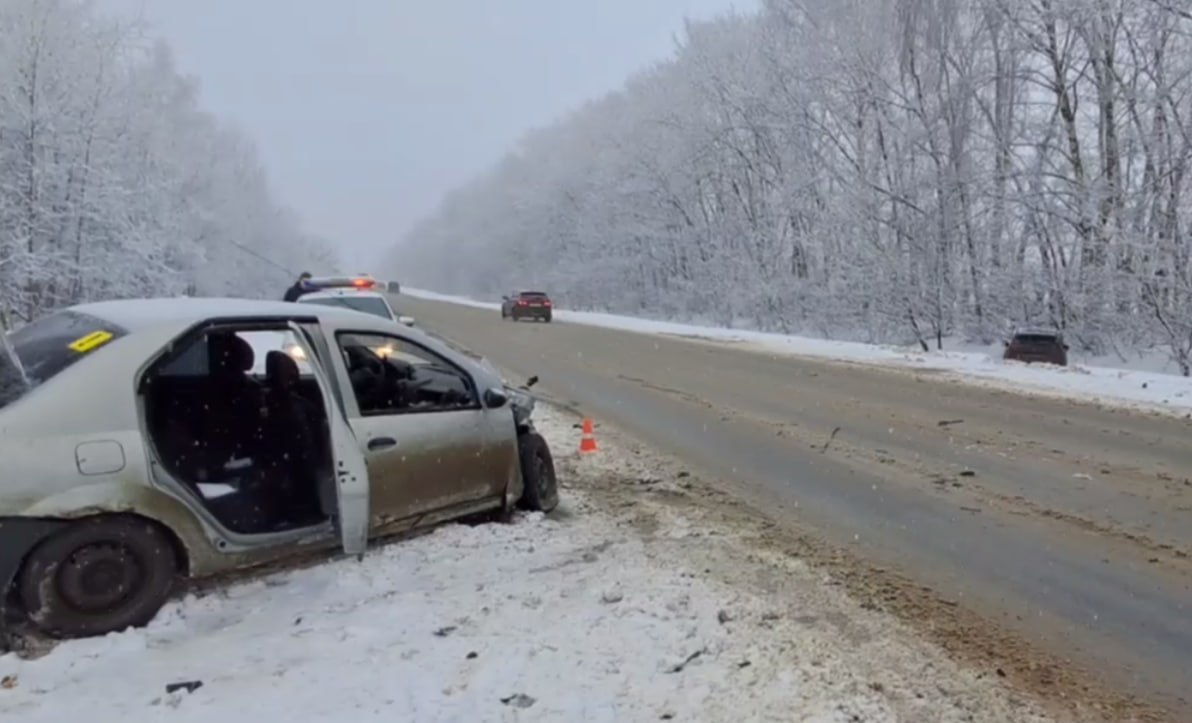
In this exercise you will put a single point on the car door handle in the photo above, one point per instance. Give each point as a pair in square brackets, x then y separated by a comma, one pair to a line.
[381, 443]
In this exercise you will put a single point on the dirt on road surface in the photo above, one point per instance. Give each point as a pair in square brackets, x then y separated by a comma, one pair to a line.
[701, 523]
[1051, 535]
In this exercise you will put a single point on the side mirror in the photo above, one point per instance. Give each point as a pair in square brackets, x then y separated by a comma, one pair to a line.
[531, 381]
[405, 320]
[1006, 344]
[1066, 347]
[495, 398]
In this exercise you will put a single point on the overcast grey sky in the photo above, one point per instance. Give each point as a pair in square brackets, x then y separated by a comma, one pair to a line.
[367, 111]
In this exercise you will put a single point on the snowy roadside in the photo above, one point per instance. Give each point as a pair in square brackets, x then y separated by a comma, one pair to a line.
[1149, 390]
[620, 606]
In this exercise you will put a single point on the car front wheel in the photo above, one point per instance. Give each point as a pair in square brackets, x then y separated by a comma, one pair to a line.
[100, 575]
[540, 486]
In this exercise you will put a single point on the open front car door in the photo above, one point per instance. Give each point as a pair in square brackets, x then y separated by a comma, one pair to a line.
[351, 493]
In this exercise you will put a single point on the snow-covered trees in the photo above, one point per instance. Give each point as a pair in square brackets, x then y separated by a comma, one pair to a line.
[113, 182]
[896, 170]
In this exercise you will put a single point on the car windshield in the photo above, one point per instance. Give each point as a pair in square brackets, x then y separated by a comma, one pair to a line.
[38, 351]
[368, 304]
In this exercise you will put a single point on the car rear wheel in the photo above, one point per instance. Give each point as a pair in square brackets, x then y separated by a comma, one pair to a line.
[541, 487]
[101, 574]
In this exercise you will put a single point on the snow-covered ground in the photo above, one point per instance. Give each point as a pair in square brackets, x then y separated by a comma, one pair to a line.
[620, 606]
[1142, 387]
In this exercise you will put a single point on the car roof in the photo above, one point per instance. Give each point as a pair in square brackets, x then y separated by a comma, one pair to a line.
[348, 291]
[138, 314]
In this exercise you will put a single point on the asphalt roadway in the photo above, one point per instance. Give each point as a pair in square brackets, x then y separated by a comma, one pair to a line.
[1068, 522]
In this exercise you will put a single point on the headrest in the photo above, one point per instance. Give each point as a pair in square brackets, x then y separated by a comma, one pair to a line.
[229, 352]
[280, 368]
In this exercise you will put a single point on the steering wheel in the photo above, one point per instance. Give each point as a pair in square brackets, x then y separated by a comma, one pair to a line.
[404, 385]
[401, 373]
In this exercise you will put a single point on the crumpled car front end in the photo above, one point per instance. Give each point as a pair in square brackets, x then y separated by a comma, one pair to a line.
[523, 405]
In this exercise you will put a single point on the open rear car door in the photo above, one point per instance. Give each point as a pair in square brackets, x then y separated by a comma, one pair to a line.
[351, 494]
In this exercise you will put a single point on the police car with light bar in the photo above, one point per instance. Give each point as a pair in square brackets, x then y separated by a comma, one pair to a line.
[360, 293]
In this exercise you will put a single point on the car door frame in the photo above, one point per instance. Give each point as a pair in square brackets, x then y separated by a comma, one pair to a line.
[346, 518]
[351, 480]
[477, 495]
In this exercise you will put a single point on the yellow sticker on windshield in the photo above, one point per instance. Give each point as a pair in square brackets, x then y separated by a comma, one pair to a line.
[85, 344]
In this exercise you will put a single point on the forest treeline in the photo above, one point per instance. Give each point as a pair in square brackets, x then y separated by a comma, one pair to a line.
[113, 180]
[880, 170]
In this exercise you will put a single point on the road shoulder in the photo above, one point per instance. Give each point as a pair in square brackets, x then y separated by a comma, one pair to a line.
[903, 642]
[914, 655]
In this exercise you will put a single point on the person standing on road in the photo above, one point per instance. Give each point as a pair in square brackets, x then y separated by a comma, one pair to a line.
[299, 288]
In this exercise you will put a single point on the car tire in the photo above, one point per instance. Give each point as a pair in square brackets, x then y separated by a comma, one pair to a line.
[540, 490]
[105, 554]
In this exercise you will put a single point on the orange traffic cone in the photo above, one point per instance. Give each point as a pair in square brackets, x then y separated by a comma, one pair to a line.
[587, 444]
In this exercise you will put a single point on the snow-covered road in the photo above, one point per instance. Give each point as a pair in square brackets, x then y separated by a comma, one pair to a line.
[619, 607]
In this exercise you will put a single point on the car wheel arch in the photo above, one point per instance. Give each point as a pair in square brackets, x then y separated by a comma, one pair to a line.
[182, 554]
[181, 524]
[45, 557]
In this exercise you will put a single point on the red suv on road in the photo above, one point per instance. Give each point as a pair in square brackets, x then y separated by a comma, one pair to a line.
[527, 305]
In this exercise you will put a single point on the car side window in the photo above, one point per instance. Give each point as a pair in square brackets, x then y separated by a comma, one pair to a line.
[391, 375]
[192, 361]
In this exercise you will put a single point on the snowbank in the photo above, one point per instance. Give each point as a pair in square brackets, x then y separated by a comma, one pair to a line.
[613, 609]
[1124, 387]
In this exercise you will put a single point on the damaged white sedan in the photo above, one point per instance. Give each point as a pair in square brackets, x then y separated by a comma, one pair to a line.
[150, 440]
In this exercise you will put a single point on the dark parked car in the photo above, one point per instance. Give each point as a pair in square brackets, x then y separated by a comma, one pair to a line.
[1037, 345]
[527, 305]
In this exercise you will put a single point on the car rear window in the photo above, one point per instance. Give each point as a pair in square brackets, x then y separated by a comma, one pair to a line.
[533, 295]
[367, 304]
[1036, 339]
[50, 345]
